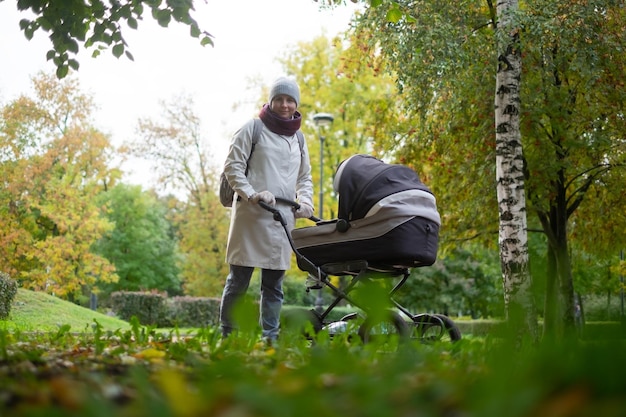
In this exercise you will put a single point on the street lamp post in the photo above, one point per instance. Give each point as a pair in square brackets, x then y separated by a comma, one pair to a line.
[621, 280]
[321, 120]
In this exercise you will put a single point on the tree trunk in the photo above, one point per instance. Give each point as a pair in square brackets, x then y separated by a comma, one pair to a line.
[551, 304]
[513, 233]
[559, 315]
[566, 287]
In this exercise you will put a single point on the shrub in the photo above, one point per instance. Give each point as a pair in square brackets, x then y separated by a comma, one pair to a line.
[192, 312]
[295, 293]
[8, 290]
[602, 308]
[150, 308]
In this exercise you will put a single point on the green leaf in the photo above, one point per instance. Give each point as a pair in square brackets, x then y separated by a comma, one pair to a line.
[97, 10]
[50, 54]
[81, 35]
[181, 14]
[194, 31]
[44, 23]
[62, 71]
[116, 36]
[129, 56]
[394, 15]
[24, 23]
[409, 18]
[138, 9]
[98, 29]
[72, 46]
[73, 64]
[30, 30]
[125, 11]
[132, 23]
[118, 50]
[164, 17]
[206, 41]
[23, 4]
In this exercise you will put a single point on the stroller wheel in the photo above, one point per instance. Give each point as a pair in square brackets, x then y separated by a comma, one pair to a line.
[388, 328]
[435, 328]
[297, 320]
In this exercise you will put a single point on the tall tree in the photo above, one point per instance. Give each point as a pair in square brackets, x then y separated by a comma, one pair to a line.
[182, 160]
[175, 148]
[576, 135]
[142, 245]
[98, 24]
[513, 233]
[53, 165]
[571, 125]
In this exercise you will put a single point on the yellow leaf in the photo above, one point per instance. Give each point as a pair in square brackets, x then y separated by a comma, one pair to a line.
[150, 354]
[181, 399]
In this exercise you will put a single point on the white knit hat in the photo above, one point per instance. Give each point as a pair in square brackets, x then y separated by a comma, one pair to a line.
[284, 85]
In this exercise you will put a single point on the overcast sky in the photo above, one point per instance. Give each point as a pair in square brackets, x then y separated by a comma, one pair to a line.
[248, 34]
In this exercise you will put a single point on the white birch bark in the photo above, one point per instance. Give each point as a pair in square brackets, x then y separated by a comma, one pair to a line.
[513, 238]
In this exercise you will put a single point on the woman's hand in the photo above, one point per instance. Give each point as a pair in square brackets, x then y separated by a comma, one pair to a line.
[304, 212]
[265, 196]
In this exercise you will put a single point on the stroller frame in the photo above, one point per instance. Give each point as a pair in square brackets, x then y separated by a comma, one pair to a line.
[424, 327]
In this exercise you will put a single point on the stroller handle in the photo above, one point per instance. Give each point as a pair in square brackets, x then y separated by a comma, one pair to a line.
[303, 263]
[288, 202]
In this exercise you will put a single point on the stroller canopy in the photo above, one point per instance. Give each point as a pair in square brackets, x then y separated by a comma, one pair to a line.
[362, 181]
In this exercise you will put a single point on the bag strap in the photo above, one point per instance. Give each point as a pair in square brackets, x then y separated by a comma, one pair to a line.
[301, 142]
[256, 132]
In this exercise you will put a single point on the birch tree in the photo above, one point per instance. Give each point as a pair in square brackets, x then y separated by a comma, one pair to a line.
[436, 63]
[513, 234]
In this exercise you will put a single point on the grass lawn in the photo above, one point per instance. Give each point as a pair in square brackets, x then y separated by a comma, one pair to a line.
[37, 311]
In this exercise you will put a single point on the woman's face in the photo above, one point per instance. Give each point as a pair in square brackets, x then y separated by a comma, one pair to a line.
[284, 106]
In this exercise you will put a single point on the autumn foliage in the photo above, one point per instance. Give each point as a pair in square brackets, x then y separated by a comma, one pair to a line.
[54, 163]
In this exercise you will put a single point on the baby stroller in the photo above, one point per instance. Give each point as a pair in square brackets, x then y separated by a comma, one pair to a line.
[387, 224]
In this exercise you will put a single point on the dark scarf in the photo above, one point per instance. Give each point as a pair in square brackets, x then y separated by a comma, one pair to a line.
[277, 124]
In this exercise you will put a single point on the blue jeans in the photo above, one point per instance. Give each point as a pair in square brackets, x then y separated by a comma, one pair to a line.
[236, 286]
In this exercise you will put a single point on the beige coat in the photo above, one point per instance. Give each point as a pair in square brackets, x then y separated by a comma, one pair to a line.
[255, 239]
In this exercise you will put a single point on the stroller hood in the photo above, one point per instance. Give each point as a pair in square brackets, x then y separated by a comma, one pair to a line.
[362, 180]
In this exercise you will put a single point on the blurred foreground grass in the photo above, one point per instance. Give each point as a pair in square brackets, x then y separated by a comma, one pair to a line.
[135, 371]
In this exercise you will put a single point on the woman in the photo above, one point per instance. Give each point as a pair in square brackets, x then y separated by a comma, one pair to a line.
[278, 167]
